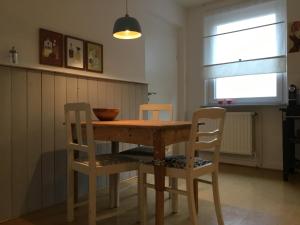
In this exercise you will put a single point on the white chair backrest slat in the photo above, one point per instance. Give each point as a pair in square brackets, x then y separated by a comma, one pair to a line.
[89, 145]
[155, 111]
[208, 140]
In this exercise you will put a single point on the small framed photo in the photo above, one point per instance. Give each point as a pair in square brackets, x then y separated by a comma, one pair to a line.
[74, 53]
[94, 57]
[50, 48]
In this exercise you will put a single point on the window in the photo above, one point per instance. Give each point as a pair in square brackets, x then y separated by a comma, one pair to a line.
[244, 53]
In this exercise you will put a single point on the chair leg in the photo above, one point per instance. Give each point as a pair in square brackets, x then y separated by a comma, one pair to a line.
[174, 197]
[142, 196]
[215, 186]
[170, 185]
[191, 200]
[92, 199]
[196, 195]
[117, 190]
[114, 190]
[70, 194]
[111, 188]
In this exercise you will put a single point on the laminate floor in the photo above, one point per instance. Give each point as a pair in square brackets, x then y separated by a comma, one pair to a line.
[249, 196]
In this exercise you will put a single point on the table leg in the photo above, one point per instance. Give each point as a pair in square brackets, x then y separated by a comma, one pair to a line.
[159, 173]
[114, 181]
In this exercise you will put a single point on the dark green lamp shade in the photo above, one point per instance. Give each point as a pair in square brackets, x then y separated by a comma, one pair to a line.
[127, 27]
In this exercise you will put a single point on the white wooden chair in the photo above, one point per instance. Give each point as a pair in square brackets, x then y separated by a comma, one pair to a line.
[145, 153]
[93, 165]
[153, 112]
[189, 167]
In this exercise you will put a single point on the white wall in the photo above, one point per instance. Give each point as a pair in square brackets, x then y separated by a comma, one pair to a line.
[164, 49]
[268, 125]
[91, 20]
[161, 57]
[166, 10]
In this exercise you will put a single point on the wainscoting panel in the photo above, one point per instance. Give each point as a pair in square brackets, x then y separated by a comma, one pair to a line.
[60, 156]
[48, 140]
[5, 144]
[32, 134]
[20, 182]
[34, 139]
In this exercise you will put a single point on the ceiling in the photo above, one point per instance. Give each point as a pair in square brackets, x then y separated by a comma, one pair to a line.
[190, 3]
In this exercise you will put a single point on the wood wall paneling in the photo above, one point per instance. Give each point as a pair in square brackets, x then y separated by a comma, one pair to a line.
[32, 138]
[5, 145]
[60, 156]
[133, 112]
[20, 173]
[82, 90]
[72, 94]
[104, 101]
[93, 95]
[102, 147]
[48, 140]
[82, 96]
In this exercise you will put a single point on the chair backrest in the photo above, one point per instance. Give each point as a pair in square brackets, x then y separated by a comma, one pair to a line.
[208, 139]
[155, 111]
[84, 141]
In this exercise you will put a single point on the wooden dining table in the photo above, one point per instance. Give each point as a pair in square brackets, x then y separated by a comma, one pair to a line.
[158, 134]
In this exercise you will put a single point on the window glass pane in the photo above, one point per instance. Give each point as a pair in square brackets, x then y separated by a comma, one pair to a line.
[249, 86]
[246, 45]
[247, 23]
[247, 14]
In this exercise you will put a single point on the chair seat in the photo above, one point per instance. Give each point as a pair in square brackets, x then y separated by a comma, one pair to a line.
[109, 159]
[140, 150]
[141, 153]
[179, 161]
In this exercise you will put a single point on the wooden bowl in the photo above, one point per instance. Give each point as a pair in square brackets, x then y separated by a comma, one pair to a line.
[106, 114]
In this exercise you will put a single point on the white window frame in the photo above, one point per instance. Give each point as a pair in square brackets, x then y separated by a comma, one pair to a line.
[214, 70]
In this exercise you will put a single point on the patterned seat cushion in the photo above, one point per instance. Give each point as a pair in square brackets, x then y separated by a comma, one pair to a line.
[179, 161]
[110, 159]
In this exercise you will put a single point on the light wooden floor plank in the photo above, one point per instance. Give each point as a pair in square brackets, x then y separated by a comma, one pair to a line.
[249, 196]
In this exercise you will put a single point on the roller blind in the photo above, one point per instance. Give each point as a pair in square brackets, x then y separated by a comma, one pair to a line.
[245, 39]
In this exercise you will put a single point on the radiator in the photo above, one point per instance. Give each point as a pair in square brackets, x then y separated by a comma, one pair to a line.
[238, 133]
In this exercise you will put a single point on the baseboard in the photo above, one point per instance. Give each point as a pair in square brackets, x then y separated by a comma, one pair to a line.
[5, 220]
[275, 166]
[239, 161]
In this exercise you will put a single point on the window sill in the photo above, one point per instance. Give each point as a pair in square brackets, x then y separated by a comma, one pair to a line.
[244, 105]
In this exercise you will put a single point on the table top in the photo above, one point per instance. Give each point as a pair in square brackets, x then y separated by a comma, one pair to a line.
[142, 123]
[143, 132]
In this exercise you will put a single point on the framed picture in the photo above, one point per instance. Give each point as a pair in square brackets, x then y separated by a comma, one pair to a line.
[294, 37]
[94, 57]
[74, 53]
[50, 48]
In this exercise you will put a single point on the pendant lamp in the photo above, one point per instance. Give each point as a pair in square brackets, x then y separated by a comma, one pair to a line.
[127, 27]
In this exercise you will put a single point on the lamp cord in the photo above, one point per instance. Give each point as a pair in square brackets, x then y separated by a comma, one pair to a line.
[126, 8]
